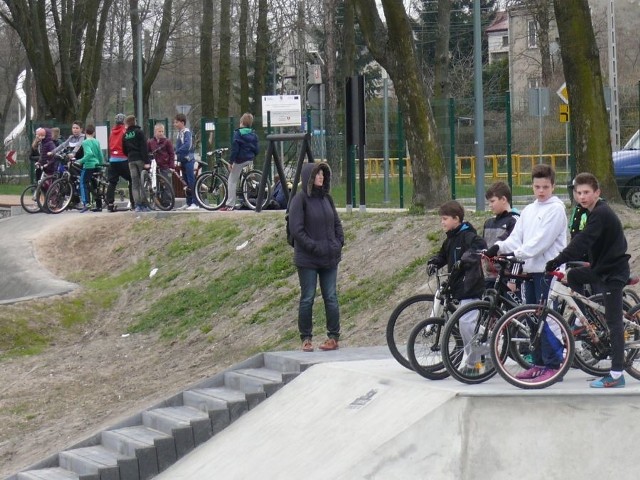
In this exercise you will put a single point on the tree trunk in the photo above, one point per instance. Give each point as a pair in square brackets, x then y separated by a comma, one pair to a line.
[262, 56]
[394, 50]
[242, 56]
[542, 16]
[330, 84]
[589, 120]
[441, 86]
[206, 60]
[224, 67]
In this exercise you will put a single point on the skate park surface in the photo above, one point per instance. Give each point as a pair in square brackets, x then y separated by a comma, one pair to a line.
[356, 413]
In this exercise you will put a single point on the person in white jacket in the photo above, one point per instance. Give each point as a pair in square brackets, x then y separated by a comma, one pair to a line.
[539, 236]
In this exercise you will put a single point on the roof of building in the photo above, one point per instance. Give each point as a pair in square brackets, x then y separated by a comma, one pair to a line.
[500, 23]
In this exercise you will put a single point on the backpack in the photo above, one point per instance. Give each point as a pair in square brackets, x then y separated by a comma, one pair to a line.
[468, 272]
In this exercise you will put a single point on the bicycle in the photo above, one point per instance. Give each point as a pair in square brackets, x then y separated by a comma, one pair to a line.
[559, 335]
[211, 187]
[32, 198]
[410, 312]
[64, 190]
[156, 188]
[483, 315]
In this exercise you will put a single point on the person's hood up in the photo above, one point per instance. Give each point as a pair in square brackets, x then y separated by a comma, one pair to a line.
[47, 134]
[308, 174]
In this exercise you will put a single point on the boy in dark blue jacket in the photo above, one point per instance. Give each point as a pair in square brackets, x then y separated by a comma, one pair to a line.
[243, 151]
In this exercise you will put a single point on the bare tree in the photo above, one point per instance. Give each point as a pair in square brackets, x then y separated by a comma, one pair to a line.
[392, 46]
[224, 66]
[243, 68]
[262, 56]
[63, 43]
[589, 120]
[206, 60]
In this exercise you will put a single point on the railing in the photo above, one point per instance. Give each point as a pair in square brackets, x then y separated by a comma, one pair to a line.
[466, 167]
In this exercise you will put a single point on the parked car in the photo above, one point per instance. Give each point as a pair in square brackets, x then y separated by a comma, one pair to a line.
[626, 167]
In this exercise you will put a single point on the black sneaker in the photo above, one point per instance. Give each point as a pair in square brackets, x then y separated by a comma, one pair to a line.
[112, 208]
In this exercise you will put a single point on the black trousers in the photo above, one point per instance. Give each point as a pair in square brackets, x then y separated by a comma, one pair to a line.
[117, 170]
[612, 291]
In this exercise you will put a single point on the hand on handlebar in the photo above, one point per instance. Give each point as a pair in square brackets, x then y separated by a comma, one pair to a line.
[552, 265]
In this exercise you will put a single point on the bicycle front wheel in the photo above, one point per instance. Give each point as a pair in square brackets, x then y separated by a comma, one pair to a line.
[59, 195]
[402, 320]
[471, 362]
[29, 199]
[251, 187]
[211, 190]
[423, 349]
[632, 341]
[163, 198]
[550, 338]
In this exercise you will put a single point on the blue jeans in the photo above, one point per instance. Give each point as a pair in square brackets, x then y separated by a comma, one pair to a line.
[308, 280]
[190, 179]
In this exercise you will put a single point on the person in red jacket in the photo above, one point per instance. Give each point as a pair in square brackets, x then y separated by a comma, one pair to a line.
[118, 165]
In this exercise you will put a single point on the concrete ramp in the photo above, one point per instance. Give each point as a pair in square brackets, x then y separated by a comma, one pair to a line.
[376, 420]
[23, 277]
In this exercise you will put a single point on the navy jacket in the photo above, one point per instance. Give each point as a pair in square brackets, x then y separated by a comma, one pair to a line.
[244, 147]
[314, 222]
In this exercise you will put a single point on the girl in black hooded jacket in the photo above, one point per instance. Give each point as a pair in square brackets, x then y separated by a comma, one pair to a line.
[318, 240]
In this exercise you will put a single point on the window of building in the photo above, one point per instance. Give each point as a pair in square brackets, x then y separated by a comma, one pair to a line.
[534, 82]
[532, 34]
[505, 41]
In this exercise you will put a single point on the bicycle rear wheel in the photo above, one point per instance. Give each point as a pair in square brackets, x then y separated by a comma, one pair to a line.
[251, 187]
[558, 338]
[470, 364]
[29, 199]
[402, 320]
[59, 195]
[211, 190]
[424, 351]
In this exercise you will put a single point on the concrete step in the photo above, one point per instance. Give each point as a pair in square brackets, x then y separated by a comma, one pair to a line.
[187, 425]
[254, 380]
[154, 450]
[217, 409]
[56, 473]
[237, 402]
[107, 464]
[284, 363]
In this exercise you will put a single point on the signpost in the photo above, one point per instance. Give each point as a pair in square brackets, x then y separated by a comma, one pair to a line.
[563, 93]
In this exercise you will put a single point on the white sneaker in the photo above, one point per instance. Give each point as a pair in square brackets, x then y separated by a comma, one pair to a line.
[193, 206]
[183, 207]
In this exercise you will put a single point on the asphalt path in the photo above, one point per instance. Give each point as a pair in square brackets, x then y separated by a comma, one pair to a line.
[22, 276]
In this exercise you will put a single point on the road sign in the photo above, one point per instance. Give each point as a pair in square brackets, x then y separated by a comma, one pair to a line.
[564, 113]
[11, 157]
[284, 110]
[563, 93]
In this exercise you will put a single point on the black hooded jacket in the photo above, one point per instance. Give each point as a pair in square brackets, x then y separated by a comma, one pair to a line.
[314, 222]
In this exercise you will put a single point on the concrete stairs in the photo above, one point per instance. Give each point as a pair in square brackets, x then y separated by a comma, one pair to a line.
[147, 443]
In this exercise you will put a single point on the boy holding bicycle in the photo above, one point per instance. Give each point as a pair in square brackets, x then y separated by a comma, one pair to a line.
[604, 241]
[538, 236]
[466, 281]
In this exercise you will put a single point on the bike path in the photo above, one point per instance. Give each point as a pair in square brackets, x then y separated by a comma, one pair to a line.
[22, 276]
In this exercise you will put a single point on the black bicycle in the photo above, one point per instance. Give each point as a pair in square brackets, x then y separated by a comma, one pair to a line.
[212, 190]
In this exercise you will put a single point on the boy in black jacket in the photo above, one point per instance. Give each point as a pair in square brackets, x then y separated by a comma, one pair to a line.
[604, 241]
[466, 282]
[499, 227]
[134, 145]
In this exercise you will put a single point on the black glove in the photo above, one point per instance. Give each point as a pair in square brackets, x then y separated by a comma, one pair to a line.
[492, 251]
[432, 268]
[552, 265]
